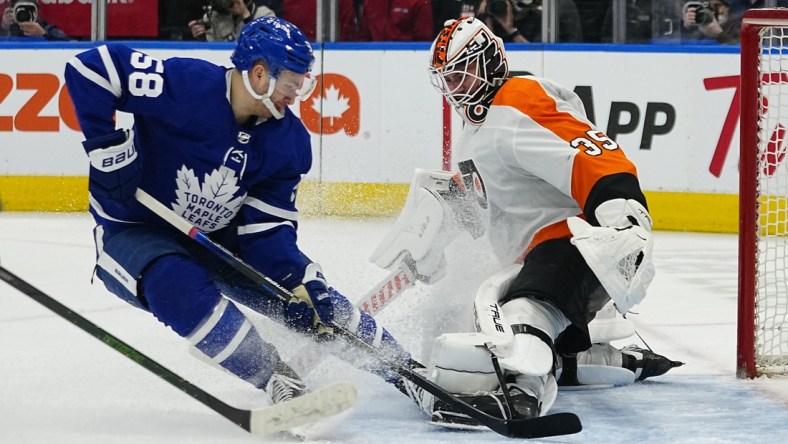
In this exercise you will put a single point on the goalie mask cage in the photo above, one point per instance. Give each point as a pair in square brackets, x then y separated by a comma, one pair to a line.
[763, 192]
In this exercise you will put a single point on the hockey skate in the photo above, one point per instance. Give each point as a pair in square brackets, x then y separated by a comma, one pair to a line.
[414, 392]
[301, 412]
[521, 405]
[284, 387]
[645, 363]
[604, 366]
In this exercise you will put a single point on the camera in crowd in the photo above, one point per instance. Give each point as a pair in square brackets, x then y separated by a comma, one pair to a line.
[497, 8]
[214, 7]
[25, 11]
[704, 14]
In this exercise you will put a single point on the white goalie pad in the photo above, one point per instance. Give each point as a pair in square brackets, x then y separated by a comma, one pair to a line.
[423, 229]
[599, 367]
[609, 325]
[523, 353]
[488, 315]
[621, 258]
[591, 377]
[461, 364]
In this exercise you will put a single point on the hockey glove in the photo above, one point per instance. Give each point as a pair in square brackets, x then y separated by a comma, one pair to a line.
[311, 310]
[114, 165]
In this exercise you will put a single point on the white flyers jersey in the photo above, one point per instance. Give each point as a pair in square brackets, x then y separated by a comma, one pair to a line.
[533, 162]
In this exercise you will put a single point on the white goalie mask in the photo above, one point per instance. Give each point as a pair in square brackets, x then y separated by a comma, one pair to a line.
[467, 64]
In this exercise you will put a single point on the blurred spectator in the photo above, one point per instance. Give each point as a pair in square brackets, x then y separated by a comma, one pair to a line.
[274, 5]
[520, 21]
[224, 19]
[174, 16]
[304, 16]
[704, 20]
[593, 13]
[396, 20]
[443, 10]
[739, 7]
[731, 29]
[21, 19]
[597, 20]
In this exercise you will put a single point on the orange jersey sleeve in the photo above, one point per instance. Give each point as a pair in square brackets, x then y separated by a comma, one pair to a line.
[598, 155]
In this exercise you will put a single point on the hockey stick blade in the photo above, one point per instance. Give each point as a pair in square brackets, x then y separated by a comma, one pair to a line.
[544, 426]
[307, 408]
[311, 407]
[567, 423]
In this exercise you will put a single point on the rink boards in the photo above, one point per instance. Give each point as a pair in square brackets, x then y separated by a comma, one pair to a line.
[672, 108]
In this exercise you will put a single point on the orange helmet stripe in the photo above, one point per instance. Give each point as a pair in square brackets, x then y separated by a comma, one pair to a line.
[440, 55]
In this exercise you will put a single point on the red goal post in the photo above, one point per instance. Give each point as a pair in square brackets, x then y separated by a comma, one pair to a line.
[762, 344]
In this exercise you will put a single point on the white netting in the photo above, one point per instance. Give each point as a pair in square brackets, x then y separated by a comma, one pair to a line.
[771, 300]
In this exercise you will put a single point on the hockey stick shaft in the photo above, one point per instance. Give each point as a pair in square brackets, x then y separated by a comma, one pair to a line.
[372, 303]
[557, 424]
[240, 417]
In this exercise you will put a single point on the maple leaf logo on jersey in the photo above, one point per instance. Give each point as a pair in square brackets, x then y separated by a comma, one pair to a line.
[211, 205]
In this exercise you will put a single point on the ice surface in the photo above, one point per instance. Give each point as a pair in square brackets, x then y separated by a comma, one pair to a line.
[60, 385]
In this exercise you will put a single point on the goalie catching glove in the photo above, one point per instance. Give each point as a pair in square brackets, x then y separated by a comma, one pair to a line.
[114, 165]
[620, 251]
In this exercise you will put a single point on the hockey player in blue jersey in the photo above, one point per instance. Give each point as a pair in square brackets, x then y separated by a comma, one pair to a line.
[220, 147]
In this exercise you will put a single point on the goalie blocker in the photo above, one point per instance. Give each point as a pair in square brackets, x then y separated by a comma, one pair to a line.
[438, 208]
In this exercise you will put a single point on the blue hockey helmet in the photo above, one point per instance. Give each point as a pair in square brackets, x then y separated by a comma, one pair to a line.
[277, 42]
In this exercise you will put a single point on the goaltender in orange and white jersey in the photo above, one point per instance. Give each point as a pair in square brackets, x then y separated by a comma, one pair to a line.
[536, 160]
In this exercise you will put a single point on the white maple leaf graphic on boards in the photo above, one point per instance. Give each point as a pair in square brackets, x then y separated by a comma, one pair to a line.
[334, 104]
[209, 206]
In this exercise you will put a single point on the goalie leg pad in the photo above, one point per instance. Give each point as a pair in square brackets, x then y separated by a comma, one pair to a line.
[609, 325]
[460, 363]
[487, 311]
[598, 367]
[524, 352]
[536, 325]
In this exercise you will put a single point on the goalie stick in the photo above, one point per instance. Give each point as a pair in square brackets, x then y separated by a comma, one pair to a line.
[304, 409]
[544, 426]
[393, 285]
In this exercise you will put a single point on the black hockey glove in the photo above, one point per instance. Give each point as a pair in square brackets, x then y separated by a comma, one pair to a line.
[312, 309]
[114, 165]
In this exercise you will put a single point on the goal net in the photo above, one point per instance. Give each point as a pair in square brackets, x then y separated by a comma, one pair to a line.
[763, 192]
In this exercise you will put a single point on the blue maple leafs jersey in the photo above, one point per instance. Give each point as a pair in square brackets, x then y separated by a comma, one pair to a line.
[195, 158]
